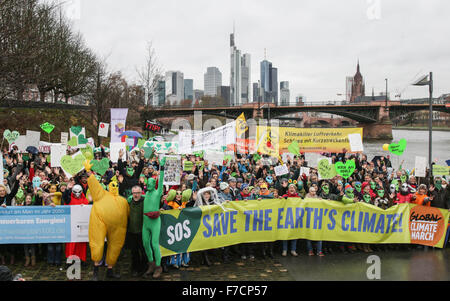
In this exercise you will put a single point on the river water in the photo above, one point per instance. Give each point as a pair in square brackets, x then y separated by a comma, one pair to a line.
[417, 145]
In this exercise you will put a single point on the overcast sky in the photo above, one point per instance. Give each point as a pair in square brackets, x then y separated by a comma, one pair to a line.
[314, 44]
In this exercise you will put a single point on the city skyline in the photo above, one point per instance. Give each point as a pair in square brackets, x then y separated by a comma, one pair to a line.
[315, 46]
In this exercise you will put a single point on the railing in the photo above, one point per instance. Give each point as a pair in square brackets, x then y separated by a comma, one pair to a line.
[265, 106]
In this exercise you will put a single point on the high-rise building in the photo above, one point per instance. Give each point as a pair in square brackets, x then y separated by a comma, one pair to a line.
[285, 95]
[213, 79]
[174, 87]
[158, 95]
[235, 73]
[189, 89]
[245, 78]
[348, 88]
[269, 82]
[224, 92]
[198, 94]
[240, 75]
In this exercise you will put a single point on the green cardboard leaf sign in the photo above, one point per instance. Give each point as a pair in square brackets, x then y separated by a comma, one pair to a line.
[73, 142]
[88, 153]
[326, 170]
[147, 152]
[82, 139]
[47, 127]
[294, 148]
[100, 166]
[345, 170]
[190, 218]
[72, 165]
[76, 130]
[398, 148]
[11, 136]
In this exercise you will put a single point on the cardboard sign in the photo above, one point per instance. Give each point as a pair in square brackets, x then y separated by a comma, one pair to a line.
[420, 166]
[439, 170]
[57, 151]
[281, 170]
[172, 170]
[33, 138]
[47, 127]
[64, 138]
[152, 127]
[115, 148]
[356, 144]
[103, 129]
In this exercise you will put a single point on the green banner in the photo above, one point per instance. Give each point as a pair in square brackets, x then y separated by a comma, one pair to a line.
[211, 227]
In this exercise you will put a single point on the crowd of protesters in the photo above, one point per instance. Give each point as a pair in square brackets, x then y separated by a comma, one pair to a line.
[247, 177]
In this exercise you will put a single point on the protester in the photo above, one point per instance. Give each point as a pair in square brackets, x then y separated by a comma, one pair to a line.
[246, 179]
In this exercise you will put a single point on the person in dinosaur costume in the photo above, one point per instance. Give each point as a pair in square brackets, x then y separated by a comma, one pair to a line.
[152, 223]
[109, 217]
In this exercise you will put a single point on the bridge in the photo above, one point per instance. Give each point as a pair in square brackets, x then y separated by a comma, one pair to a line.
[11, 104]
[374, 117]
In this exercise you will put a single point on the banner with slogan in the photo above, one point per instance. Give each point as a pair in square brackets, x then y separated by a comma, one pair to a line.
[38, 224]
[118, 123]
[211, 227]
[313, 140]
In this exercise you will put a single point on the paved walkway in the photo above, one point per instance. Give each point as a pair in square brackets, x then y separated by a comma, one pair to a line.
[403, 265]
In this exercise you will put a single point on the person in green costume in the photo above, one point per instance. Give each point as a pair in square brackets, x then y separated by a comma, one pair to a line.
[152, 224]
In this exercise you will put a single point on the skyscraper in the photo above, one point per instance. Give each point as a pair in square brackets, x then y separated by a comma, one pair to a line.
[212, 80]
[269, 82]
[285, 95]
[224, 92]
[245, 78]
[174, 87]
[189, 89]
[240, 75]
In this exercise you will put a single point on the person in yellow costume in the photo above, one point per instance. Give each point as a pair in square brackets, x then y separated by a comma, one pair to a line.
[109, 217]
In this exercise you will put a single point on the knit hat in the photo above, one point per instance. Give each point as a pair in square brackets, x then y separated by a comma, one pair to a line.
[348, 187]
[243, 186]
[232, 179]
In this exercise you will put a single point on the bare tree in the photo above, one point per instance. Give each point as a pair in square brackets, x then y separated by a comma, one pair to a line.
[150, 72]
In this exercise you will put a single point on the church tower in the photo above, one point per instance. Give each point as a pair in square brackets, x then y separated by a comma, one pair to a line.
[358, 87]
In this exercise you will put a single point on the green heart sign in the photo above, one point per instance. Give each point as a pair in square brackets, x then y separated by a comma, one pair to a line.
[100, 166]
[11, 136]
[294, 148]
[147, 152]
[73, 142]
[76, 130]
[326, 170]
[176, 238]
[82, 139]
[345, 170]
[88, 153]
[72, 165]
[398, 148]
[47, 127]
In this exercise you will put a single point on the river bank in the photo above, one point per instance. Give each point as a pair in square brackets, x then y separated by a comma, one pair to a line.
[403, 128]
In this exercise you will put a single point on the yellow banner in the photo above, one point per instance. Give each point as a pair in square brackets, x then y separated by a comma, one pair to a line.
[210, 227]
[313, 140]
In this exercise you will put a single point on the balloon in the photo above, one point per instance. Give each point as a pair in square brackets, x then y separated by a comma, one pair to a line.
[386, 147]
